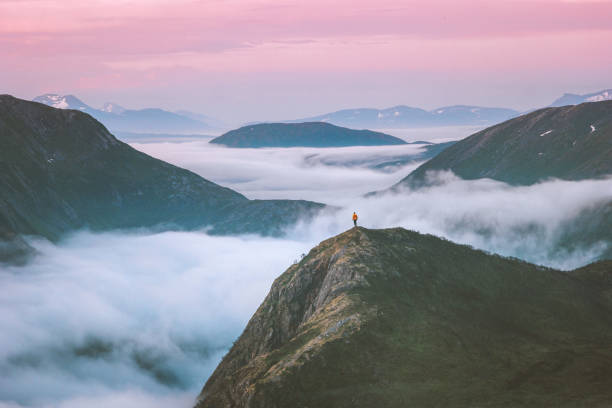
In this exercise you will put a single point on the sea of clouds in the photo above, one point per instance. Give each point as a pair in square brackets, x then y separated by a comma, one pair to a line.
[135, 319]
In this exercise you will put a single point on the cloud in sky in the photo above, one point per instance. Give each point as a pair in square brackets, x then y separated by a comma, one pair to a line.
[224, 56]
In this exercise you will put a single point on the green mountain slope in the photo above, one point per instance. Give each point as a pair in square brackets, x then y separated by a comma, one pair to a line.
[308, 134]
[61, 170]
[570, 142]
[392, 318]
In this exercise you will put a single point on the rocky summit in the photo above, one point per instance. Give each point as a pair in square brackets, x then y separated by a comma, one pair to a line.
[393, 318]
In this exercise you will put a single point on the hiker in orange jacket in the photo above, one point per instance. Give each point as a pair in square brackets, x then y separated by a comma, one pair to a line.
[355, 218]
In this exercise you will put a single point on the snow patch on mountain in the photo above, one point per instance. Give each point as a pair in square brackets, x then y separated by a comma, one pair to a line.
[62, 101]
[112, 108]
[546, 133]
[56, 101]
[61, 104]
[603, 96]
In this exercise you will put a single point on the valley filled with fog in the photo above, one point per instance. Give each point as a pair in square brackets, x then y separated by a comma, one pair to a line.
[141, 319]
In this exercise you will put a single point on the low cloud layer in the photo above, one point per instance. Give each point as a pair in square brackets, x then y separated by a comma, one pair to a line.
[296, 173]
[130, 319]
[528, 222]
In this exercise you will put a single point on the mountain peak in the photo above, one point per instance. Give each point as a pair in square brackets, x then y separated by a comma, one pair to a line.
[118, 119]
[575, 99]
[113, 108]
[62, 101]
[394, 318]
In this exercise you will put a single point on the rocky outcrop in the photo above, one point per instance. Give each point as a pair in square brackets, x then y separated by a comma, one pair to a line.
[393, 318]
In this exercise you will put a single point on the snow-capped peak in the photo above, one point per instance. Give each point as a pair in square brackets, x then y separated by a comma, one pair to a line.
[113, 108]
[62, 101]
[54, 100]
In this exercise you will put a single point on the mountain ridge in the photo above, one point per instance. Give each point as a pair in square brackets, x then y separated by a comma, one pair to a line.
[575, 99]
[402, 116]
[119, 119]
[570, 143]
[61, 170]
[394, 318]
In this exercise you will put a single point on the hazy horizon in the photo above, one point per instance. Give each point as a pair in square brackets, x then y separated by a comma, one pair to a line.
[249, 60]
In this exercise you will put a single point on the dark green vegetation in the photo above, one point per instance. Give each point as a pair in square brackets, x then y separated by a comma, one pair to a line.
[570, 143]
[308, 134]
[392, 318]
[61, 170]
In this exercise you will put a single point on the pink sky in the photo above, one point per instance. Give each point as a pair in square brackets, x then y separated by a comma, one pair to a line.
[250, 60]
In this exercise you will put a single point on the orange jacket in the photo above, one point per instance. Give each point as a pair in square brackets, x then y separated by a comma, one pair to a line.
[355, 217]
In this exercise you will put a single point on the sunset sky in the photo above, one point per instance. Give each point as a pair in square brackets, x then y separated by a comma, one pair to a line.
[262, 59]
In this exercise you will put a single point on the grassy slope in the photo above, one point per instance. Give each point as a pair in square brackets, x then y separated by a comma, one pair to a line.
[515, 152]
[61, 170]
[422, 322]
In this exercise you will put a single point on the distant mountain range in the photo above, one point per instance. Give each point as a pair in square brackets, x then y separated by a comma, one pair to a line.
[402, 116]
[573, 99]
[209, 120]
[308, 134]
[118, 119]
[61, 170]
[393, 318]
[408, 117]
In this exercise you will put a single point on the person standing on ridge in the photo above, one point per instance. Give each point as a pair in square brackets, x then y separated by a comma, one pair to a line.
[355, 218]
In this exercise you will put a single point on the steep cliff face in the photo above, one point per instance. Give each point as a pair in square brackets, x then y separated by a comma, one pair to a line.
[61, 170]
[395, 318]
